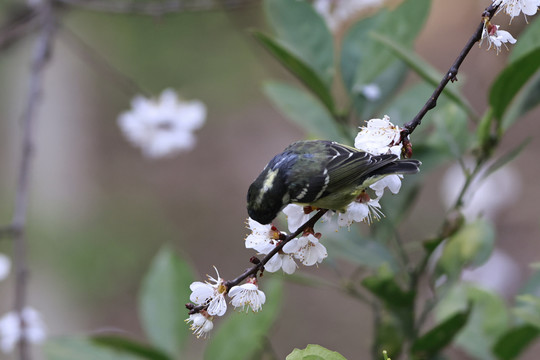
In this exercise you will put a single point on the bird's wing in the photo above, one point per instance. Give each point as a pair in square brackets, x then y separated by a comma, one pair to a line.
[349, 167]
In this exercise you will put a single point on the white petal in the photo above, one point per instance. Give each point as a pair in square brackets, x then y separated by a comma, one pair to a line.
[217, 306]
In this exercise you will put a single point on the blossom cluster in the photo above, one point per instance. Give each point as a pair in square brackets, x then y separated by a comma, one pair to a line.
[379, 136]
[164, 126]
[210, 295]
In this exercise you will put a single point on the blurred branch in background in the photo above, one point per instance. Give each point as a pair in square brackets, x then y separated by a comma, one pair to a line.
[159, 8]
[46, 22]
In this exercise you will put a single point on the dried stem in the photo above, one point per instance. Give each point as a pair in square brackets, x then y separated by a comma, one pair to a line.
[18, 225]
[451, 75]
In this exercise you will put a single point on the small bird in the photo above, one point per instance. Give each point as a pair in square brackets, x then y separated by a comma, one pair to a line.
[319, 173]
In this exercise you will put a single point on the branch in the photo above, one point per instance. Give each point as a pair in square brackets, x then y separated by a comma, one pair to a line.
[259, 265]
[19, 25]
[158, 8]
[451, 75]
[99, 63]
[18, 226]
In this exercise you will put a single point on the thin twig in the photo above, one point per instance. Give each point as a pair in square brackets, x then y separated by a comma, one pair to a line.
[18, 227]
[98, 62]
[259, 266]
[451, 75]
[158, 8]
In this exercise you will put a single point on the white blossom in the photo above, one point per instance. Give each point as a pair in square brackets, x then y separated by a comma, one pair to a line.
[262, 237]
[359, 211]
[247, 295]
[514, 7]
[5, 266]
[283, 261]
[380, 136]
[392, 182]
[212, 295]
[338, 12]
[495, 37]
[371, 92]
[201, 323]
[11, 332]
[307, 249]
[164, 126]
[296, 216]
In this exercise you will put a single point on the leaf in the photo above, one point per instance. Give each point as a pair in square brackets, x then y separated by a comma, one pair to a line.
[73, 348]
[511, 80]
[515, 341]
[508, 157]
[488, 319]
[529, 40]
[403, 24]
[424, 70]
[304, 110]
[389, 291]
[471, 245]
[129, 346]
[440, 336]
[164, 291]
[304, 32]
[526, 99]
[532, 285]
[299, 69]
[314, 352]
[359, 250]
[528, 309]
[242, 335]
[451, 134]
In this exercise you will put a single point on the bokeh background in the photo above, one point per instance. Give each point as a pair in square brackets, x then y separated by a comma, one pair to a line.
[100, 211]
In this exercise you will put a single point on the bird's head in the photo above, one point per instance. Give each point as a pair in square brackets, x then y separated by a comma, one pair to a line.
[267, 195]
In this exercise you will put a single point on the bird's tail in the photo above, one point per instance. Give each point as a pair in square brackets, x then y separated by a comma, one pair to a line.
[400, 166]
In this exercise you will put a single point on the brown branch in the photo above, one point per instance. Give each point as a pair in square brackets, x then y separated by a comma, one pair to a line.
[158, 8]
[18, 226]
[18, 26]
[451, 75]
[259, 265]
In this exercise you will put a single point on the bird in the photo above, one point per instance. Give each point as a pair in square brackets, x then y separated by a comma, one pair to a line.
[319, 173]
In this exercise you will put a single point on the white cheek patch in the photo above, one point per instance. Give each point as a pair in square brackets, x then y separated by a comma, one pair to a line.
[267, 184]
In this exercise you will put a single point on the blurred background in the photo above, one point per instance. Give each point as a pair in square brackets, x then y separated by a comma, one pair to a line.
[99, 211]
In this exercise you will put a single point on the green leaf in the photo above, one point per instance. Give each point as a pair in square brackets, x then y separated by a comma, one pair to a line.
[451, 135]
[303, 31]
[242, 335]
[164, 291]
[299, 69]
[354, 50]
[388, 290]
[487, 322]
[511, 80]
[532, 285]
[304, 110]
[515, 341]
[440, 336]
[73, 348]
[129, 346]
[351, 246]
[526, 99]
[529, 40]
[471, 245]
[403, 24]
[424, 70]
[528, 309]
[505, 159]
[314, 352]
